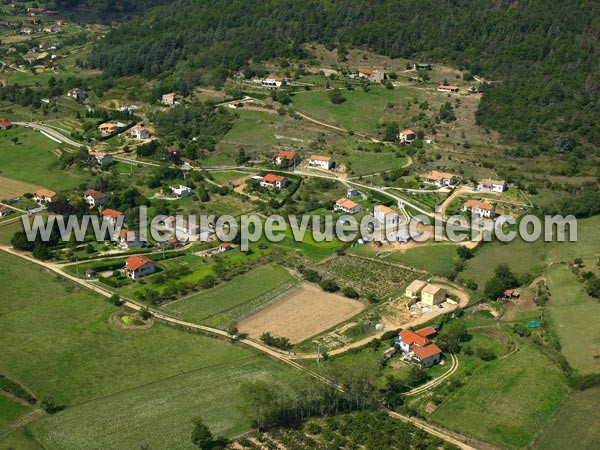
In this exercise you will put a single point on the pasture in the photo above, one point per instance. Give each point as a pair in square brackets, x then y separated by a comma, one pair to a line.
[10, 188]
[10, 410]
[301, 313]
[234, 299]
[503, 401]
[574, 317]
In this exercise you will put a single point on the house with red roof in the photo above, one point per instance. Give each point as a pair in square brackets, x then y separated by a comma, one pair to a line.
[5, 211]
[5, 124]
[348, 206]
[95, 198]
[286, 158]
[224, 246]
[139, 266]
[417, 346]
[372, 75]
[111, 215]
[271, 180]
[481, 209]
[407, 136]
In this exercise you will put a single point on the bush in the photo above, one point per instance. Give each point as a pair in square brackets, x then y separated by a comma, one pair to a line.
[486, 354]
[350, 292]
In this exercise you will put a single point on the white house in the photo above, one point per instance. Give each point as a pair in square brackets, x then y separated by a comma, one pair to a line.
[77, 94]
[323, 162]
[100, 159]
[95, 198]
[44, 196]
[492, 185]
[441, 178]
[407, 136]
[351, 193]
[273, 81]
[417, 346]
[348, 206]
[235, 104]
[139, 266]
[168, 99]
[139, 132]
[286, 158]
[372, 75]
[481, 209]
[126, 239]
[271, 180]
[181, 191]
[386, 216]
[111, 215]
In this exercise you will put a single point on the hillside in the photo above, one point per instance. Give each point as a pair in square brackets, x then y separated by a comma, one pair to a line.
[545, 53]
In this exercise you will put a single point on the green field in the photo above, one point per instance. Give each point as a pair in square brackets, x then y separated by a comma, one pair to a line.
[506, 401]
[234, 299]
[575, 317]
[567, 427]
[10, 411]
[32, 161]
[155, 380]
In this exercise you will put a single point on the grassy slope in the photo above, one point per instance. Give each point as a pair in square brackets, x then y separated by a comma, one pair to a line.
[575, 317]
[228, 301]
[504, 402]
[10, 410]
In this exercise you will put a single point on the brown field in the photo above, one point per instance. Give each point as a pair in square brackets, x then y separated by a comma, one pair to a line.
[303, 312]
[12, 188]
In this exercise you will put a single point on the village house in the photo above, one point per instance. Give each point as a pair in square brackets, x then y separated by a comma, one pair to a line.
[448, 88]
[126, 239]
[271, 180]
[100, 159]
[139, 266]
[225, 246]
[286, 158]
[273, 81]
[323, 162]
[407, 136]
[386, 216]
[441, 178]
[348, 206]
[27, 30]
[168, 99]
[95, 198]
[107, 128]
[371, 75]
[77, 94]
[351, 193]
[186, 230]
[481, 209]
[235, 104]
[432, 295]
[418, 347]
[44, 196]
[413, 290]
[181, 191]
[139, 132]
[5, 124]
[111, 215]
[492, 185]
[5, 211]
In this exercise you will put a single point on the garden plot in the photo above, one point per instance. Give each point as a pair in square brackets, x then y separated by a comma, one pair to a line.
[367, 276]
[301, 313]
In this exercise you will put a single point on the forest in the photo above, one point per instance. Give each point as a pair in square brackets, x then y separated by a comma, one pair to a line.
[542, 55]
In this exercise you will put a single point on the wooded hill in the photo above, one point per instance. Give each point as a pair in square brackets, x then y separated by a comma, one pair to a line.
[543, 52]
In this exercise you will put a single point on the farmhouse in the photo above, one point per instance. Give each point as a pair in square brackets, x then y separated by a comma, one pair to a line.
[372, 75]
[139, 132]
[181, 191]
[100, 159]
[126, 239]
[77, 94]
[417, 346]
[224, 246]
[386, 216]
[5, 124]
[190, 229]
[441, 178]
[407, 136]
[273, 81]
[27, 30]
[271, 180]
[481, 209]
[492, 185]
[323, 162]
[286, 158]
[348, 206]
[44, 196]
[139, 266]
[5, 211]
[413, 290]
[107, 128]
[95, 198]
[111, 215]
[168, 99]
[351, 193]
[449, 88]
[432, 295]
[235, 104]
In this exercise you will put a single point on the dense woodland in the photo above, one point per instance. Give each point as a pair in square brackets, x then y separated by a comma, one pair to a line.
[545, 52]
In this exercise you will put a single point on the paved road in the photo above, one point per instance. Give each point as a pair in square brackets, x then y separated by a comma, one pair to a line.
[51, 132]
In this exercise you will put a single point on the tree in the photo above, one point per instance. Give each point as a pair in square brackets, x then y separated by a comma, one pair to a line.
[336, 97]
[116, 300]
[201, 434]
[145, 314]
[452, 335]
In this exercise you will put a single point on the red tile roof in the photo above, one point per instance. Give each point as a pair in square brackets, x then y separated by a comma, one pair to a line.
[284, 154]
[426, 332]
[346, 203]
[426, 352]
[477, 204]
[135, 262]
[112, 213]
[410, 338]
[95, 194]
[272, 178]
